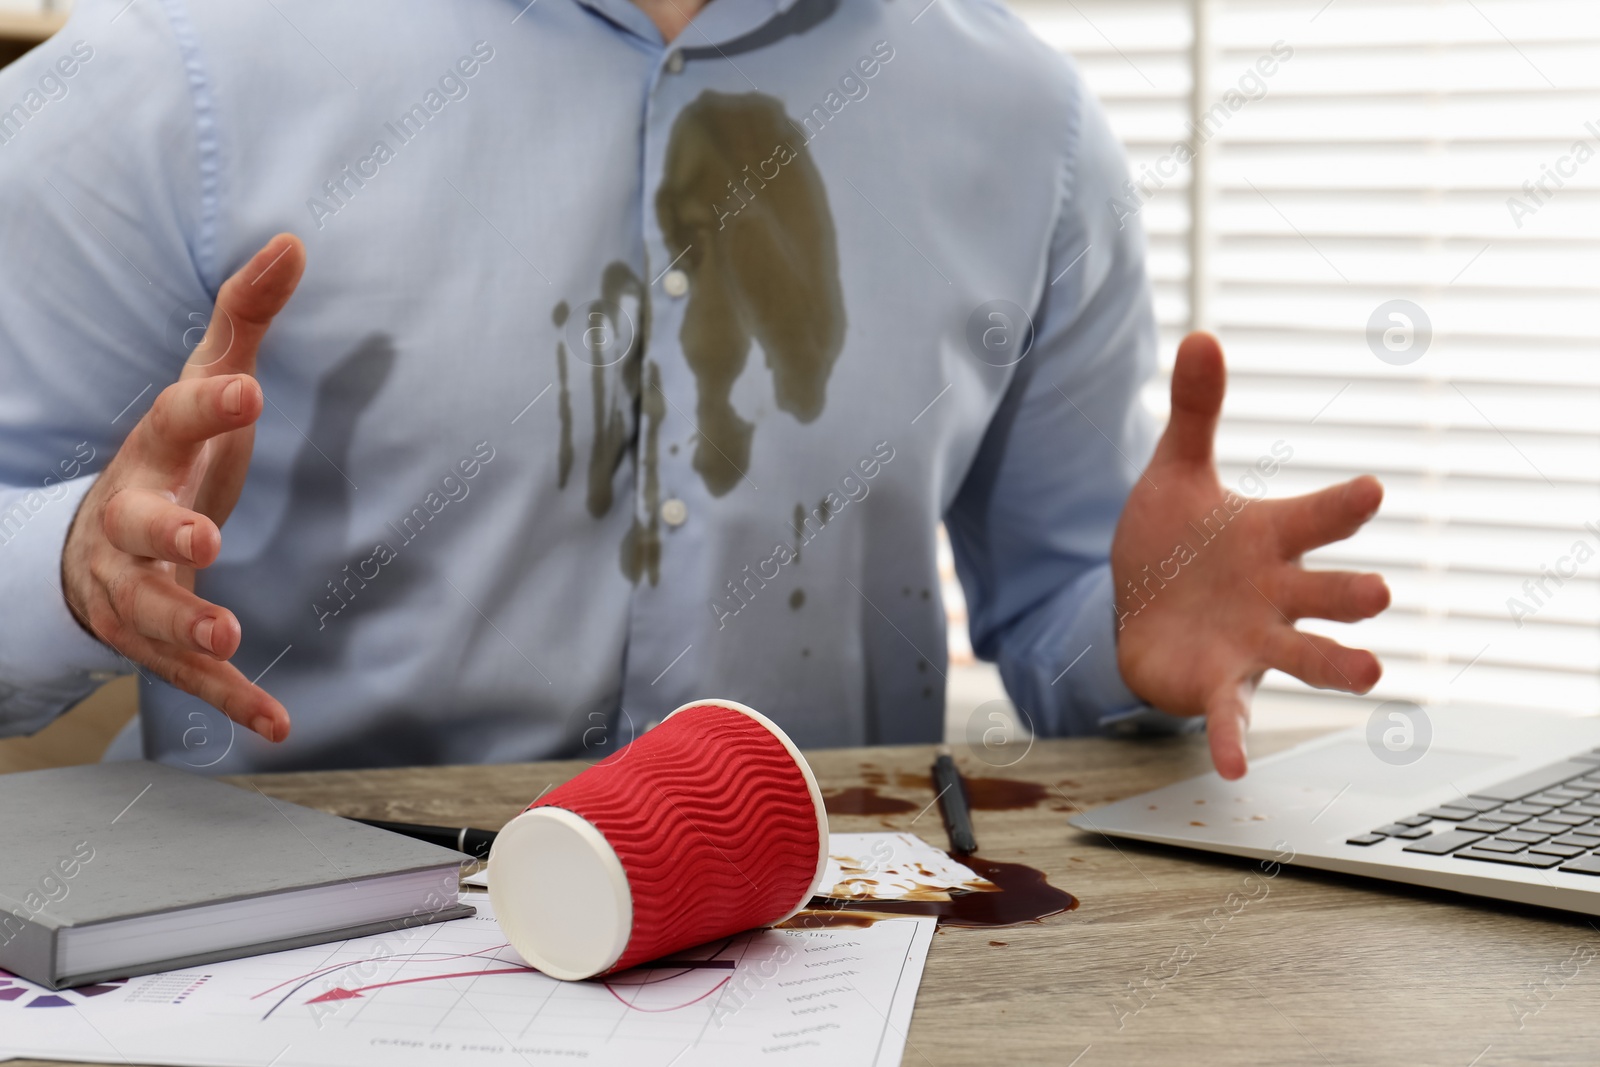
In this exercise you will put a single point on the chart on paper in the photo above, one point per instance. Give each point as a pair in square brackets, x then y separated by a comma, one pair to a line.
[457, 993]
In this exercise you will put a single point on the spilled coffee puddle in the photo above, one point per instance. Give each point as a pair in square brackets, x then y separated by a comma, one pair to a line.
[1018, 893]
[1005, 794]
[828, 919]
[983, 794]
[1021, 895]
[864, 800]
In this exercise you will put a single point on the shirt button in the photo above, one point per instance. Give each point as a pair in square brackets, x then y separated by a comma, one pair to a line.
[674, 512]
[676, 283]
[675, 62]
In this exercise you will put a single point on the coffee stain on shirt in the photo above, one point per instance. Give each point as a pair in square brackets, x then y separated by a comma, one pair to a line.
[624, 394]
[641, 548]
[744, 213]
[564, 397]
[611, 424]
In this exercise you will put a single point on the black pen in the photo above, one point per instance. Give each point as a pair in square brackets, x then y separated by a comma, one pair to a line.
[475, 843]
[953, 803]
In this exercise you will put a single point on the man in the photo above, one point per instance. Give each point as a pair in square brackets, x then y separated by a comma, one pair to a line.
[631, 354]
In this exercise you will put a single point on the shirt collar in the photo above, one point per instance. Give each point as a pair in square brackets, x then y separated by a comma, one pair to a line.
[718, 23]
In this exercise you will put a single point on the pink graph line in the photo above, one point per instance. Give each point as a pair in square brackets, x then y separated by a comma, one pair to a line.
[675, 1007]
[345, 994]
[377, 959]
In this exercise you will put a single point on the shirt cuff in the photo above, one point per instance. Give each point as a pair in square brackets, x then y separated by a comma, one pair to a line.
[47, 661]
[1061, 668]
[1097, 679]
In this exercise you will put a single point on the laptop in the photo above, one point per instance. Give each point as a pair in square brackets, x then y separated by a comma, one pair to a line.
[1496, 804]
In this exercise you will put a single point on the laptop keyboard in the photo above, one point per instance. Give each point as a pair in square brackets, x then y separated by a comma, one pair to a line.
[1545, 818]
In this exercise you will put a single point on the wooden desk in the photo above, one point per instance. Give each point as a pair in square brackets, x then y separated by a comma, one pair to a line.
[19, 32]
[1317, 970]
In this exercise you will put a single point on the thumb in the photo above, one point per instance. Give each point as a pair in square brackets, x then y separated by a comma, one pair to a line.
[245, 307]
[1227, 719]
[1199, 380]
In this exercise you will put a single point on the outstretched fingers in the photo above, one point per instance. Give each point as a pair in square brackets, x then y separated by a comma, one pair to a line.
[1227, 720]
[246, 305]
[1326, 516]
[219, 684]
[1322, 662]
[146, 524]
[128, 560]
[185, 415]
[160, 609]
[1199, 381]
[1341, 596]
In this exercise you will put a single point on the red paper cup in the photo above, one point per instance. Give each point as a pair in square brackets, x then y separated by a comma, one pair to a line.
[707, 825]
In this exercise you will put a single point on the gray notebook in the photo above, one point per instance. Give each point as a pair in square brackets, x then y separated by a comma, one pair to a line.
[117, 869]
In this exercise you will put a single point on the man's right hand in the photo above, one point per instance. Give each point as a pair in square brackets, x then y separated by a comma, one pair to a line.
[156, 512]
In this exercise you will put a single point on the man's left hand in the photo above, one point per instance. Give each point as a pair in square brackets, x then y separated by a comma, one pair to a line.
[1209, 584]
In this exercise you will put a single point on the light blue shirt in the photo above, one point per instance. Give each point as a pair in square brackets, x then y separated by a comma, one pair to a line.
[621, 374]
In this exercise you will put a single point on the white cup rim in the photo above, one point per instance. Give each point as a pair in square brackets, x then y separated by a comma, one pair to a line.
[587, 847]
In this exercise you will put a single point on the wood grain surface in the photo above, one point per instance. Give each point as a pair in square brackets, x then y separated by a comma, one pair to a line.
[1161, 963]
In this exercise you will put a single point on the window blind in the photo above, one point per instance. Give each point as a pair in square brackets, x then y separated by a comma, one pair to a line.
[1393, 223]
